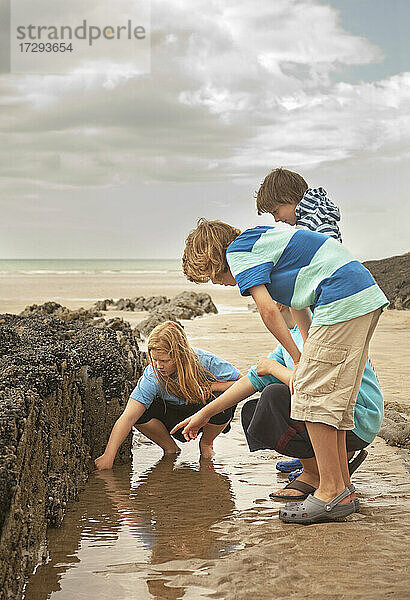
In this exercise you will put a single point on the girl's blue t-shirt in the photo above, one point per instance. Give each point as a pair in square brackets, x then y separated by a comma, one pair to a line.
[148, 387]
[368, 410]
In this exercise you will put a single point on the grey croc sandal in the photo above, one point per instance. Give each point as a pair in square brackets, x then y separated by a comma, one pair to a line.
[312, 510]
[301, 486]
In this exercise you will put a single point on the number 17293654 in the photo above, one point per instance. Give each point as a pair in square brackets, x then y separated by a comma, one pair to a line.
[45, 47]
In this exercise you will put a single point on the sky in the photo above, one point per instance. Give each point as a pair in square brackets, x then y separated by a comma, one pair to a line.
[116, 164]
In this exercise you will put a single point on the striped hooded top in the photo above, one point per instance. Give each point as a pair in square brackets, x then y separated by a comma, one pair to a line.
[316, 212]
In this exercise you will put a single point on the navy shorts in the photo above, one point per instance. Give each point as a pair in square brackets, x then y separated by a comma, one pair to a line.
[268, 425]
[171, 414]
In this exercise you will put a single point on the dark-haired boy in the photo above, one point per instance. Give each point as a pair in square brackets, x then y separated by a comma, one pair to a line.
[286, 195]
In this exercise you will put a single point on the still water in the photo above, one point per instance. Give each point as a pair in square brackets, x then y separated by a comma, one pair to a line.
[129, 520]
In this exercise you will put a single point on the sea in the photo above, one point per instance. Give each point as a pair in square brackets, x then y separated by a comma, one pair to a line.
[84, 266]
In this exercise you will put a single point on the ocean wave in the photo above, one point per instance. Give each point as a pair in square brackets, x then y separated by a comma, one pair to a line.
[224, 309]
[85, 272]
[50, 299]
[138, 272]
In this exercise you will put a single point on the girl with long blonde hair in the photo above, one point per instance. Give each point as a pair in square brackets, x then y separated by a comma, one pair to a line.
[178, 382]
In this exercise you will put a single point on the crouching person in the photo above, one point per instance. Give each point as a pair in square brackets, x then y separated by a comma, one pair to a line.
[178, 381]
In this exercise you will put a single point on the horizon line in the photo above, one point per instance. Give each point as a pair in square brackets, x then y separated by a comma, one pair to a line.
[91, 258]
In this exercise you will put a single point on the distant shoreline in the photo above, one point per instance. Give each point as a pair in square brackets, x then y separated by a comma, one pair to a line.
[85, 266]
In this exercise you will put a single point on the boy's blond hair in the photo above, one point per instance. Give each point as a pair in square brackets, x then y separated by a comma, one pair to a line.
[280, 187]
[204, 254]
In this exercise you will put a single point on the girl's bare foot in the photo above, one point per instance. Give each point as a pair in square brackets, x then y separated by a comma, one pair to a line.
[171, 451]
[206, 450]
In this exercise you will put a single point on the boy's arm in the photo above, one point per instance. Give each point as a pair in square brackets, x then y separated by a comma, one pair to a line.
[270, 366]
[273, 320]
[303, 320]
[132, 412]
[240, 390]
[222, 386]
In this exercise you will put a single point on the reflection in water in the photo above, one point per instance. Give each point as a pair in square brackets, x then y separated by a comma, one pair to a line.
[179, 506]
[111, 536]
[83, 521]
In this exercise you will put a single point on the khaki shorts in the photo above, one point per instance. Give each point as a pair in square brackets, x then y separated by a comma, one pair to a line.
[328, 377]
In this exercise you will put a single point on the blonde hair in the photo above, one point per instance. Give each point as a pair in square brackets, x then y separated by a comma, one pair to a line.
[205, 248]
[280, 187]
[192, 381]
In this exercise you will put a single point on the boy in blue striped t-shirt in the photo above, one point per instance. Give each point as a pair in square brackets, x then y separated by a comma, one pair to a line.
[302, 269]
[288, 198]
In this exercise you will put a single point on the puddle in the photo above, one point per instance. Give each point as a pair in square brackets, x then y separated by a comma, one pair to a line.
[128, 524]
[183, 529]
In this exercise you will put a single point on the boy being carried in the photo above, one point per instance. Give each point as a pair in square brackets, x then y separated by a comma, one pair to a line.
[288, 198]
[286, 195]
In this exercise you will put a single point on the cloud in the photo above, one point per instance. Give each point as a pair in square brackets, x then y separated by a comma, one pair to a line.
[235, 88]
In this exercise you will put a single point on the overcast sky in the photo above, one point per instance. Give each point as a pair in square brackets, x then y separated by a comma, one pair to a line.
[121, 165]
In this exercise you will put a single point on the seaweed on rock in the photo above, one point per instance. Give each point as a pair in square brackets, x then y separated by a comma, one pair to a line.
[65, 376]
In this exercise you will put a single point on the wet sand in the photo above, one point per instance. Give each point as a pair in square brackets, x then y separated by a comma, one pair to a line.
[194, 530]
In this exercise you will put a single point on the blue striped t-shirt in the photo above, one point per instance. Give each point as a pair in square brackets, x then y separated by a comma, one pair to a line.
[301, 269]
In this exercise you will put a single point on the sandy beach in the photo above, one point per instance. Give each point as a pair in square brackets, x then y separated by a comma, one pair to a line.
[239, 335]
[247, 552]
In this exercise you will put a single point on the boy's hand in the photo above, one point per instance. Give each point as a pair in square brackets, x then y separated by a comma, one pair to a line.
[191, 426]
[291, 379]
[103, 462]
[263, 366]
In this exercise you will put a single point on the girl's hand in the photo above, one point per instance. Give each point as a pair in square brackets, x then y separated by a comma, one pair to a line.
[191, 426]
[263, 366]
[103, 462]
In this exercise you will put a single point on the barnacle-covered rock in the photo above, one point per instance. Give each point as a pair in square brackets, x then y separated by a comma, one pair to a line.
[65, 376]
